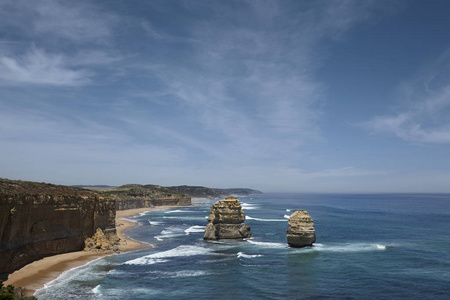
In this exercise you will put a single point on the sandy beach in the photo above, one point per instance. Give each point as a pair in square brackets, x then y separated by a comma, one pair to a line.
[34, 275]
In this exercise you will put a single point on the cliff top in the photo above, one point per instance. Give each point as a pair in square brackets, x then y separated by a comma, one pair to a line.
[8, 186]
[137, 190]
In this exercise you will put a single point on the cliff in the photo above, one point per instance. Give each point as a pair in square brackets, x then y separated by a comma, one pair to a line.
[140, 196]
[205, 192]
[39, 219]
[226, 221]
[301, 232]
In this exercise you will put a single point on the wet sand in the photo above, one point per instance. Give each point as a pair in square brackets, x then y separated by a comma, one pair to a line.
[36, 274]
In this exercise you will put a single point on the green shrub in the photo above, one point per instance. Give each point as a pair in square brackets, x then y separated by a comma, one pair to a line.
[10, 292]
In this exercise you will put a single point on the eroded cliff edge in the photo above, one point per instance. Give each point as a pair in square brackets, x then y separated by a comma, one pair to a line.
[39, 220]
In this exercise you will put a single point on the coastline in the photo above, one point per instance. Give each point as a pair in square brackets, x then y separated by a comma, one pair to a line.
[36, 274]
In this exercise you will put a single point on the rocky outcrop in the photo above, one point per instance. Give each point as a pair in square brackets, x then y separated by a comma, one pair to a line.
[101, 242]
[301, 232]
[226, 221]
[132, 196]
[38, 220]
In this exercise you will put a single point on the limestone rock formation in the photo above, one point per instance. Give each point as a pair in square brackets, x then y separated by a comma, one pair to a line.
[101, 242]
[301, 232]
[39, 219]
[226, 221]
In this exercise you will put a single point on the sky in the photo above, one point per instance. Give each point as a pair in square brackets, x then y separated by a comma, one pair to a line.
[281, 96]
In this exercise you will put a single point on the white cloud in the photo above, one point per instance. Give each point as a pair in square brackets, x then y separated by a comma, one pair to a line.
[424, 113]
[39, 67]
[249, 75]
[75, 21]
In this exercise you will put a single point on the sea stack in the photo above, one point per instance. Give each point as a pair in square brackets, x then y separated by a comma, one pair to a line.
[226, 221]
[301, 232]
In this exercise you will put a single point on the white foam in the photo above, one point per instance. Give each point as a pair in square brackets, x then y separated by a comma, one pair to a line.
[183, 217]
[195, 229]
[145, 213]
[287, 217]
[129, 220]
[354, 247]
[96, 290]
[169, 233]
[155, 223]
[184, 273]
[265, 220]
[268, 244]
[182, 250]
[248, 206]
[381, 247]
[177, 211]
[242, 254]
[64, 276]
[288, 210]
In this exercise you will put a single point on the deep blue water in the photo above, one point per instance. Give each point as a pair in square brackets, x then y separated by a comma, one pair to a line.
[368, 247]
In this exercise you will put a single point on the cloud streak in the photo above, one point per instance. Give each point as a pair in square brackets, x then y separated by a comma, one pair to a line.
[39, 67]
[424, 113]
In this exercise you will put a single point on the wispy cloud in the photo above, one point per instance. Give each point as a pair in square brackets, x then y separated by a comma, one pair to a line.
[423, 115]
[249, 74]
[39, 67]
[78, 21]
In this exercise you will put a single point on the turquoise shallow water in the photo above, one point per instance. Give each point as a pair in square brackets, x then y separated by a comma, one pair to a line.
[368, 247]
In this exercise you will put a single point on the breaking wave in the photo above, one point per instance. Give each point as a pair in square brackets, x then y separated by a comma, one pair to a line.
[265, 220]
[179, 251]
[268, 244]
[243, 255]
[248, 206]
[155, 223]
[195, 229]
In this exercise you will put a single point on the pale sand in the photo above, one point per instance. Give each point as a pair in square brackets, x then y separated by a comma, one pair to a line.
[34, 275]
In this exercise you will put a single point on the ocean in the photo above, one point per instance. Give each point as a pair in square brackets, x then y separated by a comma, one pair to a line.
[377, 246]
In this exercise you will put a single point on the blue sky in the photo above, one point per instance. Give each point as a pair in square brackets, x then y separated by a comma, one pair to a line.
[286, 96]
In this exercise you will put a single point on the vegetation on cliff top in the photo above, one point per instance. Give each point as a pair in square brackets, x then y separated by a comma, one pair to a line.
[28, 187]
[11, 292]
[137, 190]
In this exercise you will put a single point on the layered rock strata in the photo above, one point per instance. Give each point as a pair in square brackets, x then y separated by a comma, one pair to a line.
[301, 232]
[226, 221]
[38, 220]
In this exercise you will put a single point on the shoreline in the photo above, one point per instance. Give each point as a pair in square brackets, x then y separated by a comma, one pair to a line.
[35, 275]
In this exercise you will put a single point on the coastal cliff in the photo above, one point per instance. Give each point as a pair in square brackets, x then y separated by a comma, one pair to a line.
[39, 220]
[132, 196]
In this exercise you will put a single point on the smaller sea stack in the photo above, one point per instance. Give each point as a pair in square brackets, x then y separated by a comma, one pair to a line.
[226, 221]
[301, 232]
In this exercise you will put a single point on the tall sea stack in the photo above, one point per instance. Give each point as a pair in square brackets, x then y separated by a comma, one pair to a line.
[301, 232]
[226, 221]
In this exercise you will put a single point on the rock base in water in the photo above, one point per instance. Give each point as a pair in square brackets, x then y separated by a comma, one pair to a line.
[226, 221]
[301, 232]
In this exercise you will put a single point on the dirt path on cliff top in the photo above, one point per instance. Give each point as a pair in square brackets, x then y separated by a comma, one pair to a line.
[34, 275]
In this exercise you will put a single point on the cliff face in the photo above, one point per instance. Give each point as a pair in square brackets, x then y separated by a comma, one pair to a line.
[226, 221]
[140, 196]
[38, 220]
[301, 232]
